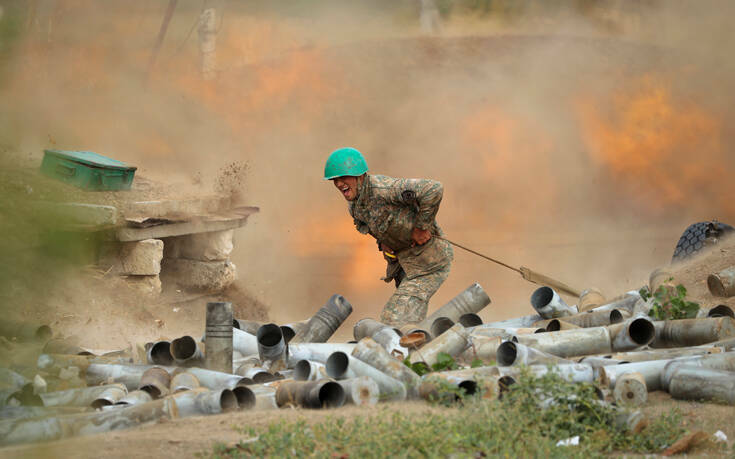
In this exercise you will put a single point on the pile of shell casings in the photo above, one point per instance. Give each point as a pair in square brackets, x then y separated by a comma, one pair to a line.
[245, 365]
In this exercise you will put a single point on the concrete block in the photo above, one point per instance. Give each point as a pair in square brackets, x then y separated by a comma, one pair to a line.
[210, 246]
[142, 258]
[204, 276]
[147, 285]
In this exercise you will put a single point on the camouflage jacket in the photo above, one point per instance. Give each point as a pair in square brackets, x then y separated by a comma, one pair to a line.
[389, 209]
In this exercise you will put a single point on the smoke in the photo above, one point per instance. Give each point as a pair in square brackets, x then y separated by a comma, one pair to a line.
[579, 142]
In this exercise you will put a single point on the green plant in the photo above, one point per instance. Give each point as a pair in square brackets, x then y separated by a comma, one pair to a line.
[670, 303]
[420, 368]
[444, 362]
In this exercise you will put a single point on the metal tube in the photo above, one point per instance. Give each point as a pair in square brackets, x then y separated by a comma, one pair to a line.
[695, 383]
[110, 396]
[452, 342]
[470, 320]
[256, 373]
[53, 363]
[722, 284]
[135, 397]
[549, 304]
[568, 343]
[557, 325]
[244, 342]
[130, 375]
[156, 382]
[724, 361]
[183, 381]
[590, 298]
[692, 332]
[218, 380]
[219, 337]
[594, 318]
[472, 299]
[318, 352]
[390, 339]
[510, 353]
[632, 334]
[338, 366]
[574, 372]
[290, 330]
[372, 353]
[185, 351]
[360, 391]
[84, 396]
[439, 326]
[631, 389]
[599, 361]
[272, 347]
[721, 310]
[484, 348]
[307, 370]
[663, 354]
[409, 329]
[520, 322]
[46, 429]
[627, 303]
[505, 332]
[325, 322]
[160, 353]
[367, 328]
[265, 397]
[651, 371]
[248, 326]
[343, 366]
[310, 394]
[245, 397]
[202, 401]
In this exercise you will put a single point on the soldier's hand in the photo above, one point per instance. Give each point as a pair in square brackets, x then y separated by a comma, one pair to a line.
[385, 248]
[420, 236]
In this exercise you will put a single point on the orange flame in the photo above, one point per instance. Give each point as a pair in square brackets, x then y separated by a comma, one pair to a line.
[653, 141]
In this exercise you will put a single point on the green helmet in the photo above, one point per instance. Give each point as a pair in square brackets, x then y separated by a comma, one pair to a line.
[345, 161]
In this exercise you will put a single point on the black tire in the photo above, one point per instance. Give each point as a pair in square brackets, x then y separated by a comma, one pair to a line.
[697, 236]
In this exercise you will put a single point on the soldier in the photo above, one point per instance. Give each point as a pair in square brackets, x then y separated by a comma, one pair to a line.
[400, 215]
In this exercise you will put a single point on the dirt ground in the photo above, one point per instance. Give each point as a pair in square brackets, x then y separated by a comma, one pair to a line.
[187, 437]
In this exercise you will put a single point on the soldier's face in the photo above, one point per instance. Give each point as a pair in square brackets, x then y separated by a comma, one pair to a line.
[347, 186]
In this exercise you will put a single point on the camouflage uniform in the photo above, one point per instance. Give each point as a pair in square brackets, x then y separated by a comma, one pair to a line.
[389, 209]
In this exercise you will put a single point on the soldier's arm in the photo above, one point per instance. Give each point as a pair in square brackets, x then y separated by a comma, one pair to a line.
[425, 194]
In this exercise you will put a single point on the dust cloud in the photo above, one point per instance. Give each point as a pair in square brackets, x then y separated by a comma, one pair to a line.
[579, 142]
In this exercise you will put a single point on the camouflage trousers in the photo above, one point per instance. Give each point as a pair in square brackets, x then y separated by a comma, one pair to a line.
[410, 301]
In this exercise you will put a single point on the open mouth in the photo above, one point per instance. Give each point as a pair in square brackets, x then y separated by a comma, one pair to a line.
[345, 191]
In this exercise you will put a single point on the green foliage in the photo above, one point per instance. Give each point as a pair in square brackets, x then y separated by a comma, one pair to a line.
[420, 368]
[669, 305]
[528, 421]
[444, 362]
[477, 363]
